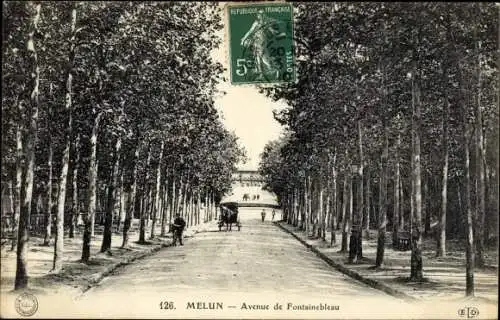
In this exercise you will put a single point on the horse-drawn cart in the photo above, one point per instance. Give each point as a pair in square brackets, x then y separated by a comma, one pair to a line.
[229, 216]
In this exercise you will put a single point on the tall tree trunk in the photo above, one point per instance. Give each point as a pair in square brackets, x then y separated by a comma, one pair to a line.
[184, 196]
[487, 191]
[189, 198]
[165, 209]
[141, 203]
[469, 251]
[143, 212]
[396, 213]
[150, 206]
[333, 238]
[93, 170]
[19, 177]
[21, 280]
[128, 221]
[480, 159]
[173, 206]
[198, 206]
[75, 210]
[156, 211]
[412, 188]
[63, 179]
[441, 237]
[11, 191]
[207, 204]
[205, 217]
[296, 207]
[300, 206]
[168, 206]
[350, 215]
[382, 214]
[216, 207]
[304, 207]
[161, 202]
[120, 205]
[198, 203]
[209, 207]
[132, 200]
[50, 203]
[441, 248]
[211, 201]
[180, 197]
[357, 233]
[315, 210]
[293, 218]
[328, 207]
[402, 205]
[110, 205]
[345, 211]
[303, 217]
[311, 210]
[191, 208]
[312, 213]
[187, 210]
[426, 207]
[321, 211]
[89, 218]
[308, 205]
[367, 205]
[416, 272]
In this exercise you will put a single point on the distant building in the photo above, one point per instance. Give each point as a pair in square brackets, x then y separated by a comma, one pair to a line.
[247, 190]
[248, 178]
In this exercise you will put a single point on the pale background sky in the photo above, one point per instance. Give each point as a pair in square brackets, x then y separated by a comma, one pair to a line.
[246, 112]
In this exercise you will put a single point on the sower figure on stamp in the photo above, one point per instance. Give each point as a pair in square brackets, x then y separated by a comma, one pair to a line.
[178, 228]
[255, 39]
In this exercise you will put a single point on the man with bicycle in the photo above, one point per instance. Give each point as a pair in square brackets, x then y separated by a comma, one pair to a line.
[178, 228]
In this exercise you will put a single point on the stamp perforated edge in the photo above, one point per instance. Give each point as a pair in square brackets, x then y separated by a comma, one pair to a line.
[227, 46]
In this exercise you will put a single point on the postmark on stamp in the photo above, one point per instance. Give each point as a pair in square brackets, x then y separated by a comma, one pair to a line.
[26, 304]
[261, 43]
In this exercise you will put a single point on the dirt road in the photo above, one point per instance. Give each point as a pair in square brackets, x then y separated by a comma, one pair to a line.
[257, 266]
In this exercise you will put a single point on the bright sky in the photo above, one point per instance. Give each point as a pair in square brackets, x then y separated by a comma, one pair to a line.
[248, 113]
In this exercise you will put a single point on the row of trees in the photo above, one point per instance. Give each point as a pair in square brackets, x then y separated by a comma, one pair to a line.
[114, 94]
[394, 118]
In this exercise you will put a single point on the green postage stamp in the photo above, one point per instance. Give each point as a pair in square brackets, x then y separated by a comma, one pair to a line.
[261, 43]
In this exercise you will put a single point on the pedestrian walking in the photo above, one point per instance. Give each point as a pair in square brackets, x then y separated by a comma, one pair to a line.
[263, 214]
[272, 215]
[178, 228]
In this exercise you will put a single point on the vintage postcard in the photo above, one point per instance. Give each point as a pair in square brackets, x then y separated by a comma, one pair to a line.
[249, 160]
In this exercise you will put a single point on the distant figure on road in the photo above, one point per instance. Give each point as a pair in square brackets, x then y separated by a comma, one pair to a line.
[263, 214]
[272, 215]
[178, 228]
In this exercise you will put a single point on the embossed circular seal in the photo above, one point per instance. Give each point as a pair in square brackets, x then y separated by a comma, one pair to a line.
[26, 304]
